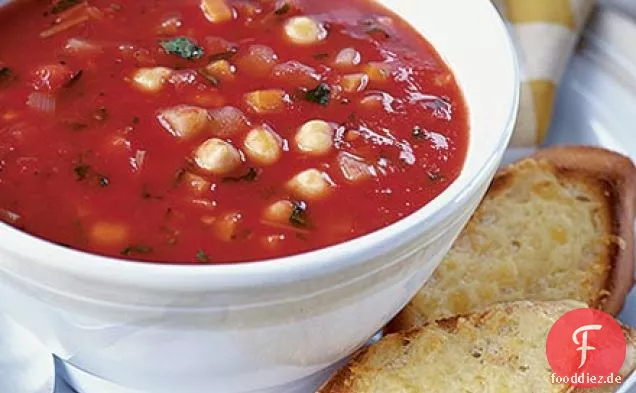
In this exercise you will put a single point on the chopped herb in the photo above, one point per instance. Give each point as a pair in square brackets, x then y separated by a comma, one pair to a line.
[136, 249]
[321, 56]
[183, 47]
[179, 175]
[76, 125]
[251, 175]
[76, 77]
[208, 76]
[100, 114]
[298, 217]
[320, 95]
[283, 8]
[82, 171]
[202, 257]
[104, 181]
[6, 76]
[227, 55]
[434, 175]
[63, 5]
[86, 172]
[419, 133]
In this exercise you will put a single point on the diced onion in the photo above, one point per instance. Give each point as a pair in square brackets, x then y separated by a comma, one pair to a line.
[41, 102]
[81, 46]
[354, 168]
[348, 57]
[259, 60]
[227, 121]
[184, 121]
[296, 74]
[151, 79]
[137, 162]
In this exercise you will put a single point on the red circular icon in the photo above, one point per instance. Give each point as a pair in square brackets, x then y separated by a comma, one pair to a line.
[586, 348]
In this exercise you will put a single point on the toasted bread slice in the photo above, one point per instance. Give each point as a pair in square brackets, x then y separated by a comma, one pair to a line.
[501, 349]
[558, 225]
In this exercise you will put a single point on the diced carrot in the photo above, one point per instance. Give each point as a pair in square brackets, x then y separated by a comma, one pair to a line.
[354, 83]
[184, 121]
[109, 233]
[169, 26]
[378, 72]
[267, 101]
[226, 226]
[217, 11]
[220, 71]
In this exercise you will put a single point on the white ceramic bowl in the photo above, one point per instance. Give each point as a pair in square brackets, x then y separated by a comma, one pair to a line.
[271, 326]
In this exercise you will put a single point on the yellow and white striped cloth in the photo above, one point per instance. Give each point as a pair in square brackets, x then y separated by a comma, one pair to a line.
[546, 33]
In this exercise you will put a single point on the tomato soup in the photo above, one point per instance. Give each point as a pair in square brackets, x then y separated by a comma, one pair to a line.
[219, 131]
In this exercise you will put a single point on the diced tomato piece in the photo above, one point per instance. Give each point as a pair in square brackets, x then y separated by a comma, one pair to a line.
[51, 77]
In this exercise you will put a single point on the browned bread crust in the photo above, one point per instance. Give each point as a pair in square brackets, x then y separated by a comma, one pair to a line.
[608, 178]
[438, 357]
[619, 173]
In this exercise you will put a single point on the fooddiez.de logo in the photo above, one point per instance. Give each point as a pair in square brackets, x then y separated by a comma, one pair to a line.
[586, 348]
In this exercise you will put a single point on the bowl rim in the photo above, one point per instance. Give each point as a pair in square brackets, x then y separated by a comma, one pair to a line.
[272, 271]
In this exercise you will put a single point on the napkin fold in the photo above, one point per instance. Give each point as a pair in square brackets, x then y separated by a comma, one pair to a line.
[545, 33]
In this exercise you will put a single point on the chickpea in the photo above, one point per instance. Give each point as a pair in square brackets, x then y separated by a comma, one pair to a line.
[315, 137]
[279, 212]
[311, 184]
[217, 157]
[263, 146]
[303, 30]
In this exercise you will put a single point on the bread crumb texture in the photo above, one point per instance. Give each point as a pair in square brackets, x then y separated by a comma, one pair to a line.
[501, 350]
[541, 233]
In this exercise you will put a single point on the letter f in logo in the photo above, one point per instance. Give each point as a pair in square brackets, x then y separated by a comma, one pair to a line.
[584, 348]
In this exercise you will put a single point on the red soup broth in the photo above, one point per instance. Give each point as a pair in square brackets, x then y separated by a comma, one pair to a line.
[219, 131]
